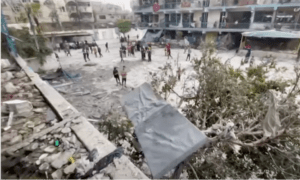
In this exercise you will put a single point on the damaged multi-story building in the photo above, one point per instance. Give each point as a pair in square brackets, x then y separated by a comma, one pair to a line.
[213, 19]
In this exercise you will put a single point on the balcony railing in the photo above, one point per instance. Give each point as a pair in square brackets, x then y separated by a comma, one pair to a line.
[287, 26]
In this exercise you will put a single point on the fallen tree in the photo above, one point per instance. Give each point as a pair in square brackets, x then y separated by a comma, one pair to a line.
[253, 124]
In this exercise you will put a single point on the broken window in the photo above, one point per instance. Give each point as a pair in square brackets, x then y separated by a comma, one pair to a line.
[263, 16]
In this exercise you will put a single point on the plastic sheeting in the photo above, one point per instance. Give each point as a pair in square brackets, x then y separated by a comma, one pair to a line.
[167, 138]
[152, 37]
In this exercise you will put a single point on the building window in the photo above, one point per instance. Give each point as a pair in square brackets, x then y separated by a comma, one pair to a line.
[102, 17]
[263, 16]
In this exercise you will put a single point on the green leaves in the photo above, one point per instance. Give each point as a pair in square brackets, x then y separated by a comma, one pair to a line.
[124, 25]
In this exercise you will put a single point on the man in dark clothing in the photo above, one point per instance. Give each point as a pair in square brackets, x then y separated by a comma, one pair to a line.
[99, 51]
[85, 51]
[116, 75]
[106, 45]
[247, 57]
[121, 54]
[138, 46]
[137, 37]
[128, 37]
[149, 54]
[143, 53]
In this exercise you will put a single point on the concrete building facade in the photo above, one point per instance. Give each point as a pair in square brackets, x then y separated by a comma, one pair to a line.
[211, 18]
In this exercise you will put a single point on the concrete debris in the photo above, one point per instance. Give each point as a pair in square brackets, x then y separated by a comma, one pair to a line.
[70, 169]
[86, 92]
[10, 88]
[38, 110]
[5, 63]
[29, 124]
[33, 146]
[38, 162]
[16, 140]
[52, 157]
[62, 159]
[57, 174]
[50, 149]
[43, 137]
[68, 124]
[73, 139]
[20, 74]
[5, 137]
[66, 144]
[66, 130]
[83, 166]
[97, 176]
[22, 131]
[44, 167]
[39, 104]
[39, 127]
[57, 136]
[6, 76]
[43, 156]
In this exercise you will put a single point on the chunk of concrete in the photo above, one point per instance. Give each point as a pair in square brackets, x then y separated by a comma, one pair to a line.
[44, 167]
[10, 88]
[66, 130]
[7, 76]
[20, 74]
[57, 174]
[16, 140]
[39, 127]
[50, 149]
[52, 157]
[70, 169]
[62, 159]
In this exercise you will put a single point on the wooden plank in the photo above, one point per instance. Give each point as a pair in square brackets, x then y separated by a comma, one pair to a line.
[37, 135]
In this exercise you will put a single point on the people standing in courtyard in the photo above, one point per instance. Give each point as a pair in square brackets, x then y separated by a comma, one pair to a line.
[128, 37]
[138, 46]
[137, 36]
[58, 47]
[143, 53]
[123, 74]
[95, 51]
[99, 51]
[247, 57]
[169, 50]
[121, 54]
[128, 50]
[106, 45]
[132, 50]
[67, 48]
[179, 73]
[116, 75]
[85, 51]
[189, 54]
[149, 53]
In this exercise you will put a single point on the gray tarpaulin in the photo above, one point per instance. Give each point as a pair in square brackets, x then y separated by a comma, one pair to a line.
[167, 137]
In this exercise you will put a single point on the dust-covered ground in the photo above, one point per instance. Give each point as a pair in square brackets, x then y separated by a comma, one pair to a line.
[104, 92]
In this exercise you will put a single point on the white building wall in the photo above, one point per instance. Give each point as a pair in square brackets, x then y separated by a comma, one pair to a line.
[213, 16]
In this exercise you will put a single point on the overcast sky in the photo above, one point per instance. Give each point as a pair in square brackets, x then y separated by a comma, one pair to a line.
[122, 3]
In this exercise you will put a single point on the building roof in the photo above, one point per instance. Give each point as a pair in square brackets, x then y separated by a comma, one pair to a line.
[271, 34]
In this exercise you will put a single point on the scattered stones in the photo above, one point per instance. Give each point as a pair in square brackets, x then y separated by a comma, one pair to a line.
[77, 156]
[70, 169]
[7, 76]
[29, 124]
[52, 157]
[50, 149]
[57, 174]
[66, 144]
[43, 156]
[57, 136]
[23, 131]
[51, 141]
[20, 74]
[10, 88]
[16, 140]
[68, 124]
[62, 159]
[5, 137]
[66, 130]
[38, 162]
[73, 139]
[83, 165]
[38, 110]
[39, 127]
[33, 146]
[44, 167]
[43, 137]
[39, 104]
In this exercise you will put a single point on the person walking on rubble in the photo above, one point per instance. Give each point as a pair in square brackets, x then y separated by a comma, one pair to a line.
[67, 48]
[123, 74]
[121, 54]
[247, 57]
[168, 46]
[116, 75]
[85, 51]
[189, 54]
[99, 51]
[106, 45]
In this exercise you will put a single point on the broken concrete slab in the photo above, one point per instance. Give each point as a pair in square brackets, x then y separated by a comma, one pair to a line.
[57, 174]
[16, 140]
[7, 76]
[10, 88]
[44, 167]
[39, 110]
[70, 169]
[52, 157]
[62, 159]
[66, 130]
[50, 149]
[39, 127]
[20, 74]
[43, 156]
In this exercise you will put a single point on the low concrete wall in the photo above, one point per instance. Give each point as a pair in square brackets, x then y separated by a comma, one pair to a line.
[278, 54]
